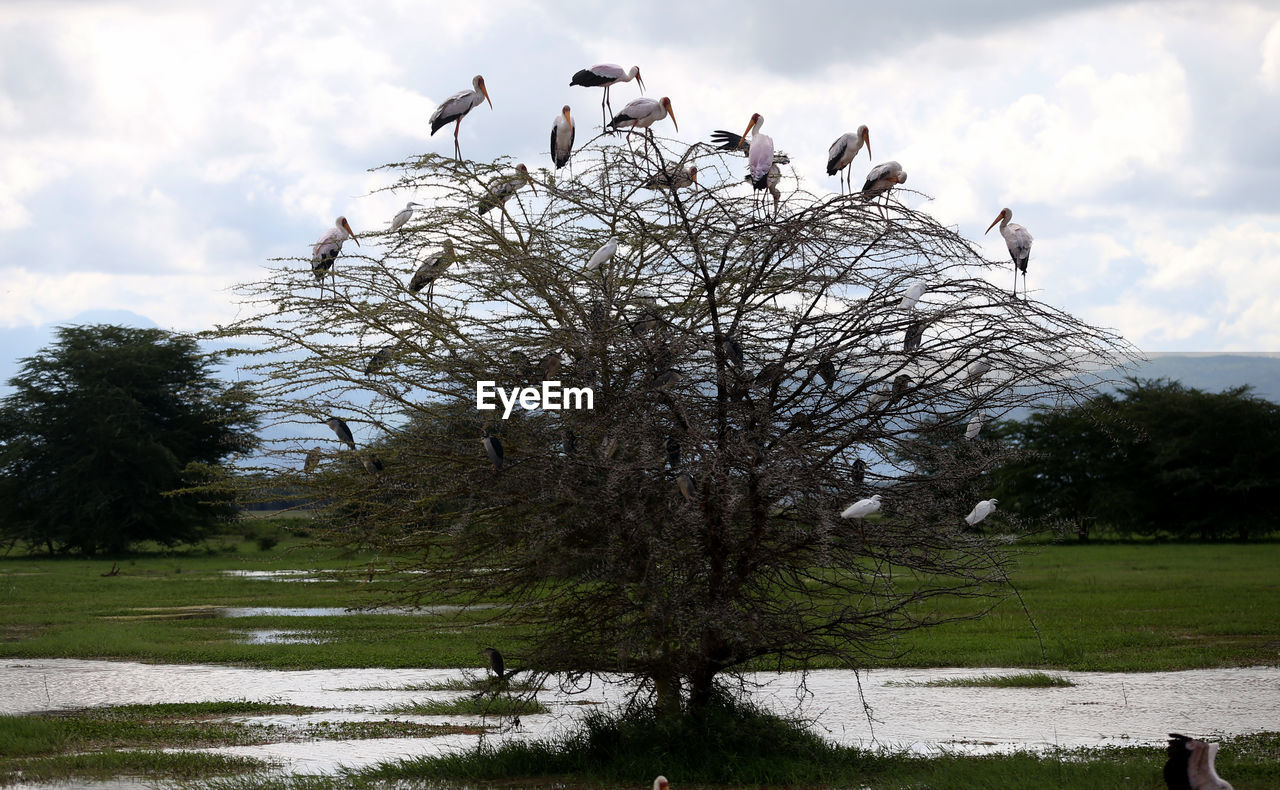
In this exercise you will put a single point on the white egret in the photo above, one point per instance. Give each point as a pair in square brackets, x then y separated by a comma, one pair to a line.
[981, 510]
[862, 508]
[603, 254]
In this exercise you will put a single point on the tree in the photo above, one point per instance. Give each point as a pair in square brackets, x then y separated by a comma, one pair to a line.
[749, 382]
[1155, 458]
[104, 429]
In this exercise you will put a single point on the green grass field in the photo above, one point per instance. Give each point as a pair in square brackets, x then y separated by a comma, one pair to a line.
[1100, 607]
[1120, 607]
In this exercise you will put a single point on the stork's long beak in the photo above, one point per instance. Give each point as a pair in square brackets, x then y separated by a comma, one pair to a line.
[566, 116]
[347, 227]
[866, 138]
[750, 126]
[999, 217]
[485, 91]
[672, 113]
[640, 80]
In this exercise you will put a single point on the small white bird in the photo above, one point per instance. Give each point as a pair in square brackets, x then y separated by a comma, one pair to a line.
[974, 427]
[843, 151]
[1018, 240]
[981, 510]
[882, 178]
[661, 783]
[562, 132]
[399, 220]
[325, 251]
[603, 254]
[977, 370]
[862, 508]
[912, 295]
[456, 107]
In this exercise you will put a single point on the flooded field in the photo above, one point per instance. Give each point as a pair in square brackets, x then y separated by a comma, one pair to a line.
[1101, 709]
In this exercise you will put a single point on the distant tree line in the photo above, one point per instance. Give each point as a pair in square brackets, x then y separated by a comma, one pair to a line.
[1154, 459]
[115, 435]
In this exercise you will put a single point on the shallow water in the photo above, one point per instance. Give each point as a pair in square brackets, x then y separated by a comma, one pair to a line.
[1103, 709]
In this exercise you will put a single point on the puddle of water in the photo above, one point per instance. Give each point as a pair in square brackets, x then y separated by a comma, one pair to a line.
[280, 576]
[338, 611]
[1103, 709]
[280, 636]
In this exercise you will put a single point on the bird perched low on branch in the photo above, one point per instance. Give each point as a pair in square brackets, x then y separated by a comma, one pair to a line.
[339, 427]
[325, 251]
[862, 508]
[432, 268]
[403, 216]
[495, 662]
[603, 254]
[674, 176]
[981, 510]
[1190, 765]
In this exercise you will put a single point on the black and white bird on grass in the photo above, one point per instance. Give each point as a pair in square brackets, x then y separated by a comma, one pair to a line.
[1190, 765]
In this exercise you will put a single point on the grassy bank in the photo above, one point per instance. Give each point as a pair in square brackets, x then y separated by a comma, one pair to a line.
[1103, 607]
[104, 742]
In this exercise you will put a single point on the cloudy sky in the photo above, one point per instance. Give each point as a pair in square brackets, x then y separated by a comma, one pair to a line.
[153, 154]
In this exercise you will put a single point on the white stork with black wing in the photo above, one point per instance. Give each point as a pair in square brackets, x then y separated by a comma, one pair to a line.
[455, 108]
[843, 151]
[605, 75]
[1018, 240]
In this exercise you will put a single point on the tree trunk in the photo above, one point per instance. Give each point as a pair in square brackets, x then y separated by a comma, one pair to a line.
[667, 690]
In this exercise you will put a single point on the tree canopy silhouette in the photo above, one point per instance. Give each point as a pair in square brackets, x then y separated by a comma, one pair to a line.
[749, 381]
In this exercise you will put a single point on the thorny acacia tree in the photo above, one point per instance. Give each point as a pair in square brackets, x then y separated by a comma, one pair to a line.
[585, 528]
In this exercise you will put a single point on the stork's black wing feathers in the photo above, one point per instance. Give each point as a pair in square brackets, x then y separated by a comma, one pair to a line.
[728, 141]
[589, 79]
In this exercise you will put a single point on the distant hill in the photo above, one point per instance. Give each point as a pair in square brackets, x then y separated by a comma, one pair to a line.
[1215, 372]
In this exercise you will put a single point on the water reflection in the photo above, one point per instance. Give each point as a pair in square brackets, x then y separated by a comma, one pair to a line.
[1102, 709]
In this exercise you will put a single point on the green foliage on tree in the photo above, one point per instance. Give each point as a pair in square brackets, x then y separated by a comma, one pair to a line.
[1156, 458]
[105, 435]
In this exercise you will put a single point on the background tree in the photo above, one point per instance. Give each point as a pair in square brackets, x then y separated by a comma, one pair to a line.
[103, 428]
[1155, 458]
[760, 359]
